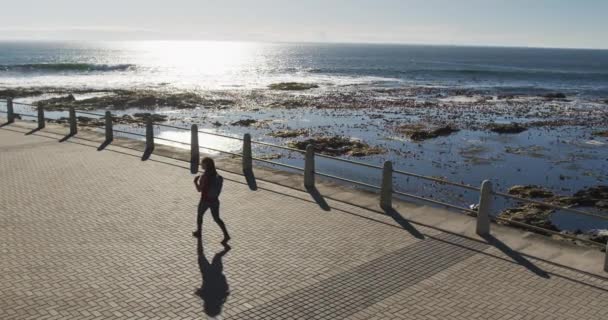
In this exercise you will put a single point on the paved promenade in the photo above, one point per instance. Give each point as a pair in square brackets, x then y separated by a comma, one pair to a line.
[87, 234]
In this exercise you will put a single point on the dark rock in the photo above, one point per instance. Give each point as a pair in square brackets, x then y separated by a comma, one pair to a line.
[418, 132]
[57, 103]
[556, 95]
[244, 122]
[274, 156]
[145, 99]
[217, 124]
[155, 117]
[336, 146]
[289, 133]
[292, 86]
[530, 191]
[507, 128]
[588, 197]
[600, 236]
[531, 214]
[601, 133]
[19, 93]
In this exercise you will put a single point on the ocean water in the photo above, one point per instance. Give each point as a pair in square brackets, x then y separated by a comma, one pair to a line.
[243, 65]
[562, 158]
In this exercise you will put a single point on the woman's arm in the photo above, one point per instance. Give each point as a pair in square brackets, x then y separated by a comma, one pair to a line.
[196, 183]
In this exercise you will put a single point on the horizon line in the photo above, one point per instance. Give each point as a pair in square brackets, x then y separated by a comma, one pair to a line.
[318, 42]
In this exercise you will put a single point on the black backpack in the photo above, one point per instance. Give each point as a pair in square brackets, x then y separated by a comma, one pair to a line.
[215, 186]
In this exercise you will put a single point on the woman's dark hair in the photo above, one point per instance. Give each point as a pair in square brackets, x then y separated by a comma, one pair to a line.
[209, 166]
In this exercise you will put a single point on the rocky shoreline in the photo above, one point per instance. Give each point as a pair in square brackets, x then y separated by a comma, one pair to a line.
[537, 215]
[419, 115]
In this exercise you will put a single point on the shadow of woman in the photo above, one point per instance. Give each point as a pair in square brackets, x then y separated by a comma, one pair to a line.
[214, 290]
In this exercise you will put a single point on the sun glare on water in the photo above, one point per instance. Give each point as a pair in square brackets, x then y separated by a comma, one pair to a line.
[202, 61]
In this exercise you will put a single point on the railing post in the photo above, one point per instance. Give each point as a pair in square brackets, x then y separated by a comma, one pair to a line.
[149, 136]
[386, 190]
[10, 113]
[606, 259]
[309, 167]
[41, 123]
[109, 127]
[247, 155]
[73, 124]
[194, 149]
[483, 211]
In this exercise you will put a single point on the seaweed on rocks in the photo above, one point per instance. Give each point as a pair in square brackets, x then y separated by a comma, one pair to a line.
[154, 116]
[19, 93]
[147, 99]
[244, 122]
[601, 133]
[507, 127]
[532, 214]
[57, 103]
[555, 95]
[292, 86]
[530, 191]
[418, 132]
[289, 133]
[539, 215]
[589, 197]
[337, 146]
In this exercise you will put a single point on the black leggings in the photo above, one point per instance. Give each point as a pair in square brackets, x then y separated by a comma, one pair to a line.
[215, 212]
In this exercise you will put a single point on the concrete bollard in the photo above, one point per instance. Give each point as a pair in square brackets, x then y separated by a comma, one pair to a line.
[247, 154]
[386, 189]
[309, 167]
[41, 123]
[606, 259]
[483, 212]
[149, 136]
[10, 112]
[73, 123]
[109, 127]
[194, 150]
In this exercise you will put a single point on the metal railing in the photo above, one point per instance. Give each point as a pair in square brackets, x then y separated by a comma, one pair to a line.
[386, 188]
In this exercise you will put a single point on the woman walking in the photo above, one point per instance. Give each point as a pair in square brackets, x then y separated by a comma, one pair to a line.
[210, 186]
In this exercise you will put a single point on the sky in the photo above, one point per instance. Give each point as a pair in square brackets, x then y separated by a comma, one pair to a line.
[531, 23]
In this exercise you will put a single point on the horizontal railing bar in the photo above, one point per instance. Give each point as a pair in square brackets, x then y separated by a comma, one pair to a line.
[222, 151]
[172, 127]
[90, 113]
[466, 186]
[169, 140]
[220, 135]
[25, 104]
[25, 115]
[525, 225]
[127, 132]
[348, 161]
[347, 180]
[278, 146]
[3, 111]
[434, 201]
[506, 195]
[279, 164]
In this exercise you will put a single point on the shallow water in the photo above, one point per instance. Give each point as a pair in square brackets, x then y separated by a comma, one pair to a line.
[205, 65]
[563, 159]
